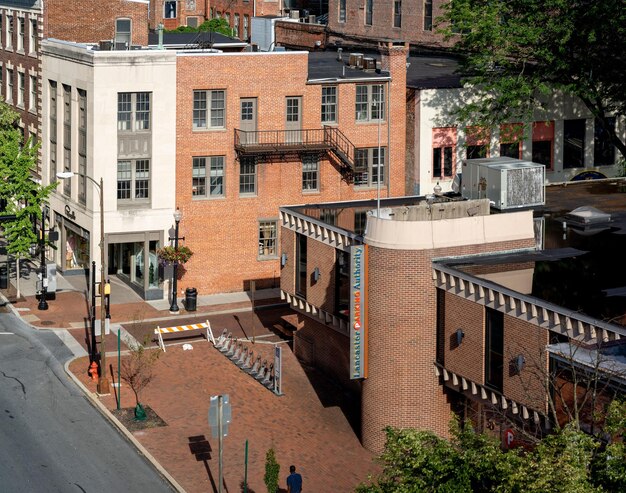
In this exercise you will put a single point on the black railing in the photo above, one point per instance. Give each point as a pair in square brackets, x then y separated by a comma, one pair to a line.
[328, 139]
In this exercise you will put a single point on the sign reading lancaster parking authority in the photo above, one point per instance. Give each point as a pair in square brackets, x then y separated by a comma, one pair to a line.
[358, 329]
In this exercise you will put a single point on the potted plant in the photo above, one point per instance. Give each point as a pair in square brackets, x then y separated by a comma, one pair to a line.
[169, 254]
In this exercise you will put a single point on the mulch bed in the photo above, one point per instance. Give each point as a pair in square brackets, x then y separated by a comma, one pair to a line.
[126, 416]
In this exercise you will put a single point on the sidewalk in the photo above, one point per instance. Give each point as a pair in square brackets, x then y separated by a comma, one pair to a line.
[309, 425]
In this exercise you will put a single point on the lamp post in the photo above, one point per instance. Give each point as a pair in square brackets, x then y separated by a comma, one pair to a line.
[43, 302]
[174, 306]
[103, 382]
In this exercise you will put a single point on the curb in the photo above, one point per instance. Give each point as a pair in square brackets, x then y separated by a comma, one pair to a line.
[127, 434]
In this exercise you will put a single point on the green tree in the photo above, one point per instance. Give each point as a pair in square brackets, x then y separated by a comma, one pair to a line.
[24, 197]
[272, 471]
[212, 25]
[419, 461]
[515, 53]
[137, 370]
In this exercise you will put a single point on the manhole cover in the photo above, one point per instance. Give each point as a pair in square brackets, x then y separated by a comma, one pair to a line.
[47, 322]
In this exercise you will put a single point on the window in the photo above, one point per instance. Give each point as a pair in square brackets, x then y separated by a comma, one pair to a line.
[494, 349]
[310, 173]
[127, 119]
[53, 130]
[209, 109]
[9, 36]
[32, 45]
[246, 20]
[370, 102]
[301, 257]
[441, 326]
[511, 136]
[477, 143]
[133, 180]
[603, 148]
[368, 168]
[67, 137]
[444, 145]
[428, 15]
[216, 177]
[169, 9]
[9, 85]
[1, 73]
[247, 176]
[369, 10]
[543, 139]
[342, 10]
[20, 34]
[573, 143]
[1, 26]
[227, 17]
[82, 146]
[236, 25]
[442, 162]
[397, 13]
[268, 235]
[20, 88]
[122, 33]
[329, 104]
[360, 222]
[32, 100]
[329, 216]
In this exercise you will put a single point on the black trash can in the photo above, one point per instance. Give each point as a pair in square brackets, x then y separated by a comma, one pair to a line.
[191, 299]
[4, 277]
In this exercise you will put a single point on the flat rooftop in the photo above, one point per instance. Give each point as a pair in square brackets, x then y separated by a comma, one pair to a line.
[582, 269]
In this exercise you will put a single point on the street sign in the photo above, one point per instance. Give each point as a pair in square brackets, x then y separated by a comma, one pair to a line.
[278, 369]
[214, 414]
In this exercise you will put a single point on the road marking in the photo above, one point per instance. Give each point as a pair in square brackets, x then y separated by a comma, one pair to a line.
[6, 333]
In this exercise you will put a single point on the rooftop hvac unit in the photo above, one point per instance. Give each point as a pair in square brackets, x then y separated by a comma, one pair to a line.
[369, 63]
[294, 14]
[508, 183]
[356, 60]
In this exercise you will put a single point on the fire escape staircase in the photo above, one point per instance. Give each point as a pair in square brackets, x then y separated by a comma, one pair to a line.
[266, 144]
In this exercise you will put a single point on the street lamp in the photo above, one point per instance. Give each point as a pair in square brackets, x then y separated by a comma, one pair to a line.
[103, 381]
[177, 217]
[43, 302]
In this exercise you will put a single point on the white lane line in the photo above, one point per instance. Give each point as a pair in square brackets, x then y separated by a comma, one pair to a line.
[6, 333]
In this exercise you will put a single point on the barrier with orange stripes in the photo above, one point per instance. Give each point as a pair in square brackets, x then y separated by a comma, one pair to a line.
[159, 331]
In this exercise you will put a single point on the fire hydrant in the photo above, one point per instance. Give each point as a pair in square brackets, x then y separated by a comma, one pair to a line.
[93, 371]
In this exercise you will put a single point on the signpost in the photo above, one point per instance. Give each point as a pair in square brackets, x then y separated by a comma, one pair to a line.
[219, 417]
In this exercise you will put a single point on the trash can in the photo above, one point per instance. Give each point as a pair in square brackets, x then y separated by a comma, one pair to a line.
[191, 298]
[4, 277]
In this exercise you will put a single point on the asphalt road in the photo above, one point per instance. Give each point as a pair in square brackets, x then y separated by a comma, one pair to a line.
[51, 438]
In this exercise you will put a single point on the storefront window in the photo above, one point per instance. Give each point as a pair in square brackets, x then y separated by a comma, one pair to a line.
[153, 269]
[76, 250]
[140, 264]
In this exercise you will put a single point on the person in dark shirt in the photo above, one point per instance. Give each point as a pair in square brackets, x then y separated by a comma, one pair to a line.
[294, 481]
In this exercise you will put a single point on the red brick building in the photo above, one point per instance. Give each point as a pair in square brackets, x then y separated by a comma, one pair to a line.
[414, 316]
[259, 130]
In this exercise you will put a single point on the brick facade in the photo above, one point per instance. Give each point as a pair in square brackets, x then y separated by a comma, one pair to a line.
[357, 30]
[223, 232]
[300, 35]
[19, 61]
[402, 388]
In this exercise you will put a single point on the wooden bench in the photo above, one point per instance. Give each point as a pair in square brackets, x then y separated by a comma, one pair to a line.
[181, 329]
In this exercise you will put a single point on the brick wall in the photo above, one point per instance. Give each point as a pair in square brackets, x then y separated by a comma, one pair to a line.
[223, 232]
[402, 389]
[325, 349]
[354, 29]
[26, 62]
[288, 272]
[89, 21]
[300, 35]
[322, 292]
[468, 358]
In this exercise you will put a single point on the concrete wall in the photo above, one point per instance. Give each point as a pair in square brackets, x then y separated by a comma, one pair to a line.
[103, 75]
[432, 110]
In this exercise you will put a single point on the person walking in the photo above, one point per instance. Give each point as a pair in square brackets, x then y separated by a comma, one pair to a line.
[294, 481]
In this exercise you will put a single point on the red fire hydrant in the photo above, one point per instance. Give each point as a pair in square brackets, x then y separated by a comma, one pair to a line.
[93, 371]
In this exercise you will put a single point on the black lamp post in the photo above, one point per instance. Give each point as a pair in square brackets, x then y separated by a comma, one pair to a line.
[174, 306]
[43, 302]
